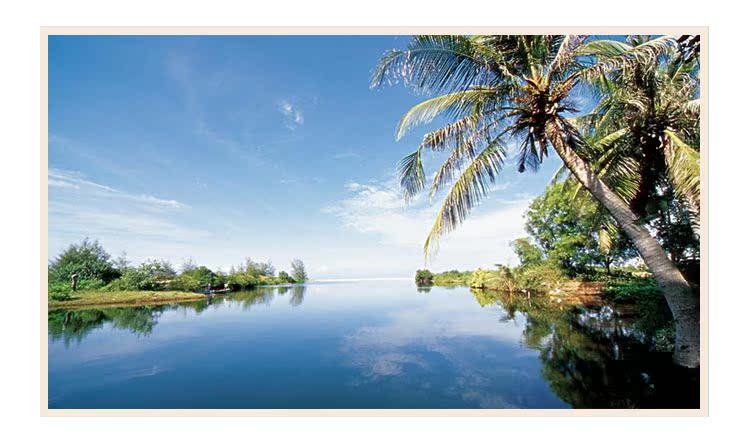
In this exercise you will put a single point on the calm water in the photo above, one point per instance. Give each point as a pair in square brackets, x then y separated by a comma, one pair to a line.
[357, 345]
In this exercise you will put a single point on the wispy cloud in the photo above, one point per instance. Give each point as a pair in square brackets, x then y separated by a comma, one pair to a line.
[347, 155]
[293, 117]
[139, 223]
[378, 209]
[68, 179]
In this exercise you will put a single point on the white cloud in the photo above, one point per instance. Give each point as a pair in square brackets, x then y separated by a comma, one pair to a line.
[139, 223]
[293, 116]
[378, 209]
[67, 179]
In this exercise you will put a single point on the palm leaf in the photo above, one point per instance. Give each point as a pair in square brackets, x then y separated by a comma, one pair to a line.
[468, 190]
[683, 165]
[455, 104]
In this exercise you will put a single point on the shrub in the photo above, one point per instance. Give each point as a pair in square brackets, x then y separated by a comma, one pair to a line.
[186, 282]
[152, 275]
[423, 277]
[88, 259]
[59, 291]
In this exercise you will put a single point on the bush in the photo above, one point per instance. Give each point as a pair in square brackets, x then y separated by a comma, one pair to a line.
[150, 276]
[186, 282]
[423, 277]
[88, 259]
[59, 291]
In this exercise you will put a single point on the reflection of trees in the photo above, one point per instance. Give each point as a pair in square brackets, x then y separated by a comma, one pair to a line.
[593, 363]
[424, 289]
[256, 296]
[298, 295]
[265, 295]
[75, 325]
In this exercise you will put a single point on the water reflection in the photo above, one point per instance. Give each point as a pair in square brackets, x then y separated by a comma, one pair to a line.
[362, 345]
[74, 325]
[593, 358]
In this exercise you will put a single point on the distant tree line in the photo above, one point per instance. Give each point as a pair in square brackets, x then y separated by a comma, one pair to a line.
[97, 270]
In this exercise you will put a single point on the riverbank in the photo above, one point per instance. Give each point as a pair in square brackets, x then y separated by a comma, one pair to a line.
[118, 298]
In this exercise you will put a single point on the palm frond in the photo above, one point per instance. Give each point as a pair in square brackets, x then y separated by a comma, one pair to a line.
[693, 107]
[455, 105]
[468, 190]
[683, 166]
[566, 53]
[411, 174]
[433, 63]
[611, 55]
[459, 158]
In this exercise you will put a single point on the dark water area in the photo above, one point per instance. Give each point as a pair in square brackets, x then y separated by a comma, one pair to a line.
[368, 344]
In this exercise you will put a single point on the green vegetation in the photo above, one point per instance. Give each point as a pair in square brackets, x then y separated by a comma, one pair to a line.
[636, 155]
[298, 271]
[424, 277]
[103, 280]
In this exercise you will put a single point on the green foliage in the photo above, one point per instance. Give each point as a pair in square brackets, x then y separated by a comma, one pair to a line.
[88, 259]
[540, 278]
[200, 274]
[528, 253]
[652, 310]
[423, 277]
[186, 282]
[452, 278]
[152, 275]
[298, 271]
[59, 291]
[572, 232]
[284, 277]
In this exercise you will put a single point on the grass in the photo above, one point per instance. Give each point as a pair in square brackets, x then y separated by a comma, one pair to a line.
[131, 298]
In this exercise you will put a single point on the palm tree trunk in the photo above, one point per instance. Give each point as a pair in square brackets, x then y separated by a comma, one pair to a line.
[682, 302]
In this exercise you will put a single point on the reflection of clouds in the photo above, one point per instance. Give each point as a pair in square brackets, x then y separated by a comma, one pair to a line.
[476, 353]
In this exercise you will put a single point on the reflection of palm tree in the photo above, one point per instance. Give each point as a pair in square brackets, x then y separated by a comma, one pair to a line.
[298, 295]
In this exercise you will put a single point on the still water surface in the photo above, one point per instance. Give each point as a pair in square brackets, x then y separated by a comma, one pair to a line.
[383, 344]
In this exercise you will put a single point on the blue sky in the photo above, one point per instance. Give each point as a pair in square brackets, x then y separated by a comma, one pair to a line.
[271, 147]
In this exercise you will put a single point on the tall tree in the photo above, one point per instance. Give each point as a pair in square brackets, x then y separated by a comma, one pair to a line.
[299, 274]
[502, 89]
[645, 131]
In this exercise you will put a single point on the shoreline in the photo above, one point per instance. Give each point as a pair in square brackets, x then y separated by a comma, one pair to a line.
[91, 299]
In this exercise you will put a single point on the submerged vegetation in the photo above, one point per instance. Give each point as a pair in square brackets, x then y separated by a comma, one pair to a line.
[100, 279]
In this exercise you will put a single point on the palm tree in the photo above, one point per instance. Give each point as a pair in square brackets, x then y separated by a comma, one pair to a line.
[645, 131]
[501, 89]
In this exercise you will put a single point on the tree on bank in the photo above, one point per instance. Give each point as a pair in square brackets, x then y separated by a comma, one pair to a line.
[498, 90]
[299, 274]
[88, 259]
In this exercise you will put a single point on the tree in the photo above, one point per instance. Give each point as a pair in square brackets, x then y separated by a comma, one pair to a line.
[645, 131]
[528, 253]
[423, 277]
[573, 231]
[498, 90]
[88, 259]
[298, 271]
[284, 277]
